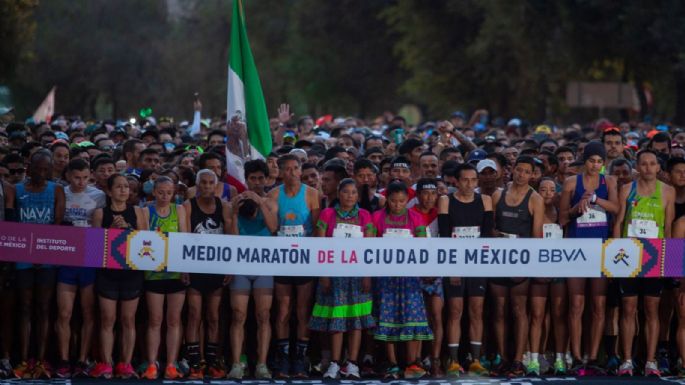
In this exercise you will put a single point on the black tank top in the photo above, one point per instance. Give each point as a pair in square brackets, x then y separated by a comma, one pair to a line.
[466, 214]
[129, 215]
[203, 223]
[679, 210]
[514, 220]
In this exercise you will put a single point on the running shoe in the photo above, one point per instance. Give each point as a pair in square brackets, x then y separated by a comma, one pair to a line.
[63, 369]
[414, 371]
[533, 368]
[593, 369]
[172, 372]
[559, 367]
[151, 371]
[42, 370]
[184, 367]
[262, 372]
[196, 373]
[652, 369]
[436, 368]
[82, 369]
[612, 365]
[663, 362]
[299, 369]
[499, 367]
[626, 369]
[681, 372]
[578, 368]
[124, 371]
[393, 373]
[217, 371]
[282, 367]
[367, 367]
[544, 364]
[102, 370]
[516, 369]
[454, 370]
[476, 369]
[350, 371]
[322, 366]
[333, 371]
[24, 370]
[237, 372]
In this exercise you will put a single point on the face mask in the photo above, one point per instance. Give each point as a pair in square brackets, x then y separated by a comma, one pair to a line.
[148, 186]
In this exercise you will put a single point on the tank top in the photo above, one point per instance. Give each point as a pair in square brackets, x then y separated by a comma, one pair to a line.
[514, 220]
[255, 226]
[129, 215]
[465, 217]
[203, 223]
[36, 207]
[165, 224]
[294, 216]
[595, 222]
[679, 210]
[645, 215]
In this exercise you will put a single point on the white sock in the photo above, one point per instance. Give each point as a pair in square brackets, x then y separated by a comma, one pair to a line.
[559, 356]
[534, 357]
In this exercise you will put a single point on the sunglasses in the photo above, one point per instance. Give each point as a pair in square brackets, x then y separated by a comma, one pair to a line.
[106, 148]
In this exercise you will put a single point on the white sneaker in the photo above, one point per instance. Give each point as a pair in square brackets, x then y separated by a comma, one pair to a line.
[333, 371]
[350, 371]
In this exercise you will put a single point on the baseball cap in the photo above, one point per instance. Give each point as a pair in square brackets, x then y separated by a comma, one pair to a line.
[514, 122]
[458, 114]
[543, 129]
[426, 184]
[485, 163]
[477, 155]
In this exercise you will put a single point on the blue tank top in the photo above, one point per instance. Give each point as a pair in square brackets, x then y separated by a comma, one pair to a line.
[590, 225]
[35, 207]
[255, 226]
[294, 211]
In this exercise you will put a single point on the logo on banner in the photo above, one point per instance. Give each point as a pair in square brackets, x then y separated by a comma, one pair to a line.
[147, 250]
[621, 257]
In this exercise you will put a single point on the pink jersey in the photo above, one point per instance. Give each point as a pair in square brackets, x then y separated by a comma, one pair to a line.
[328, 219]
[410, 220]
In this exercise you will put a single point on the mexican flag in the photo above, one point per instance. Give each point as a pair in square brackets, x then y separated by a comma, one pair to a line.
[245, 100]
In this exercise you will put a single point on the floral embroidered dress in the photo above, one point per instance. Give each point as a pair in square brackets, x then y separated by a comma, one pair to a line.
[400, 310]
[345, 307]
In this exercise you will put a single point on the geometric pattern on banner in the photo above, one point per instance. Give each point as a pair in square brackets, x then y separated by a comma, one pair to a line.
[652, 258]
[674, 258]
[622, 257]
[147, 250]
[115, 251]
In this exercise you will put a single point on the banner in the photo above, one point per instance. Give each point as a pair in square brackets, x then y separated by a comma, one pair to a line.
[370, 257]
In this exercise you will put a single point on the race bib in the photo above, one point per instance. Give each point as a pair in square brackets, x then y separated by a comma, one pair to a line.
[466, 232]
[397, 233]
[552, 231]
[507, 235]
[80, 223]
[345, 230]
[595, 216]
[291, 231]
[643, 228]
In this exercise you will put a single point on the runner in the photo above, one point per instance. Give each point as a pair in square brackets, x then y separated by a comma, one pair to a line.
[647, 211]
[205, 214]
[519, 213]
[465, 214]
[81, 200]
[214, 162]
[165, 216]
[343, 304]
[401, 311]
[41, 201]
[253, 214]
[118, 288]
[588, 202]
[298, 211]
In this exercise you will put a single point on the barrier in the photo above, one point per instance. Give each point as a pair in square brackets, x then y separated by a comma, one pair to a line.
[424, 257]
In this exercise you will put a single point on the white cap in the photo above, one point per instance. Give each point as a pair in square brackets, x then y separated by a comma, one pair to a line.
[514, 122]
[485, 163]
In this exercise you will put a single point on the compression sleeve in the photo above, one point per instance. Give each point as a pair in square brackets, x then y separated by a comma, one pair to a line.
[444, 226]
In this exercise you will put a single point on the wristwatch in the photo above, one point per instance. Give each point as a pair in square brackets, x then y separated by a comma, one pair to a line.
[593, 200]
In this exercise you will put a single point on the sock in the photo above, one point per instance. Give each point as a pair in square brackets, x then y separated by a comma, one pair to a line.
[283, 345]
[210, 353]
[367, 358]
[559, 356]
[610, 345]
[302, 348]
[193, 353]
[629, 361]
[454, 352]
[534, 357]
[475, 349]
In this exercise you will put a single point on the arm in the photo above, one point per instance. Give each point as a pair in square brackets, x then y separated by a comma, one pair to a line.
[313, 205]
[195, 127]
[188, 208]
[269, 211]
[182, 219]
[143, 218]
[538, 211]
[97, 218]
[489, 220]
[618, 222]
[669, 203]
[230, 218]
[611, 205]
[679, 228]
[10, 194]
[443, 217]
[565, 201]
[190, 193]
[60, 204]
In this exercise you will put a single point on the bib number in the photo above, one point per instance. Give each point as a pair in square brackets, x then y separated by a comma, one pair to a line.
[593, 217]
[465, 232]
[552, 231]
[292, 231]
[397, 233]
[643, 228]
[345, 230]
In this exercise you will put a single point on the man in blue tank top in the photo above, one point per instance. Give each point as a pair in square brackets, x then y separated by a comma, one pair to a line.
[38, 200]
[298, 210]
